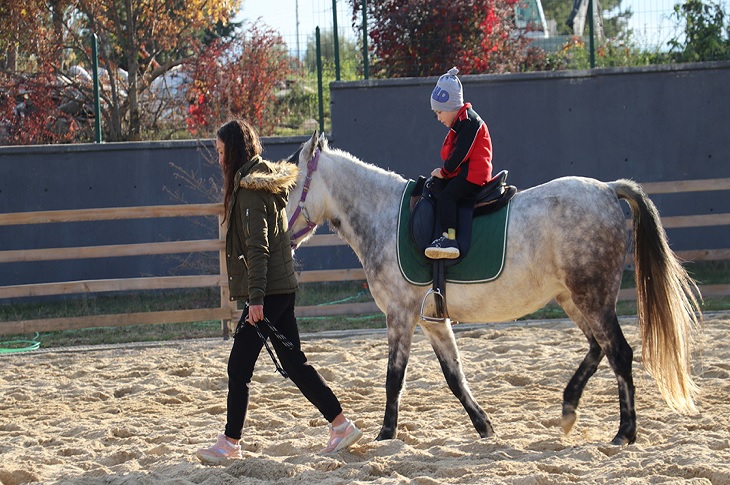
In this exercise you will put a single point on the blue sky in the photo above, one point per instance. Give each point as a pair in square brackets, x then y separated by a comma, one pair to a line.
[281, 15]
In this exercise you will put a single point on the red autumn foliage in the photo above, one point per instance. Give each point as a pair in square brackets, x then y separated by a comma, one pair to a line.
[141, 44]
[237, 78]
[34, 104]
[32, 111]
[416, 38]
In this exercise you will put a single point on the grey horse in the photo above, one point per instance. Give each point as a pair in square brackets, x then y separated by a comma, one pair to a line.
[567, 242]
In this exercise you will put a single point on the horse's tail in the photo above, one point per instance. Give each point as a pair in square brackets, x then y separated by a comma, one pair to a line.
[668, 310]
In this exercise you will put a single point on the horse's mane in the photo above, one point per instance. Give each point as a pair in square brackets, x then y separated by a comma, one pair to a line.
[325, 147]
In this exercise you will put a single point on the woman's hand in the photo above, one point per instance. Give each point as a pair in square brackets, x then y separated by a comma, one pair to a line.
[255, 314]
[437, 173]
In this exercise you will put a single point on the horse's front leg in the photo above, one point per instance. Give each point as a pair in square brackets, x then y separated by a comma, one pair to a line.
[400, 337]
[443, 342]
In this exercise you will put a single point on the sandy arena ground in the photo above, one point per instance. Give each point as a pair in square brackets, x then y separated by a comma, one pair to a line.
[136, 414]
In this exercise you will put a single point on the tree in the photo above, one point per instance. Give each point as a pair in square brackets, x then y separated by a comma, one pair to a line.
[614, 18]
[31, 110]
[133, 35]
[427, 37]
[348, 51]
[27, 26]
[238, 77]
[32, 107]
[706, 36]
[139, 42]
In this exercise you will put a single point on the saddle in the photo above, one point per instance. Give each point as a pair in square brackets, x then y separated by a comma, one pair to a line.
[424, 227]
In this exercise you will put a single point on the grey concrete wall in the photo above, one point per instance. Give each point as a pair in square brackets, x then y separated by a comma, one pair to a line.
[649, 124]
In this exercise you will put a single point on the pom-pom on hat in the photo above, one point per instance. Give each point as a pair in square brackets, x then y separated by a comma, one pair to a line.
[448, 95]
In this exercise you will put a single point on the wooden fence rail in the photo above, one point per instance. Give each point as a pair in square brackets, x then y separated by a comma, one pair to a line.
[227, 310]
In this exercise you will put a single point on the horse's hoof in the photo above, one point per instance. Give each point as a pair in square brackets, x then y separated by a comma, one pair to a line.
[568, 419]
[621, 440]
[486, 432]
[385, 435]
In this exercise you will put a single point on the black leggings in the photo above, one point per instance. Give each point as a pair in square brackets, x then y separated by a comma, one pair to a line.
[448, 194]
[279, 309]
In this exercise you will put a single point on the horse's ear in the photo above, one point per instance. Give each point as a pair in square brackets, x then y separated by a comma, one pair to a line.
[322, 141]
[309, 147]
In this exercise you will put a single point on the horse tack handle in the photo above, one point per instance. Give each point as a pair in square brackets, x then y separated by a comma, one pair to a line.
[287, 343]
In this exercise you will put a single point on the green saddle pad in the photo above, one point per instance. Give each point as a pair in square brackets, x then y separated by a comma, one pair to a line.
[483, 262]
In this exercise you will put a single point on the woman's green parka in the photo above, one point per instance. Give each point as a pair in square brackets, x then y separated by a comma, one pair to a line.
[258, 252]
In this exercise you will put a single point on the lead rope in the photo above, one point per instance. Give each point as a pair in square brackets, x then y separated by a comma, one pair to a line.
[287, 343]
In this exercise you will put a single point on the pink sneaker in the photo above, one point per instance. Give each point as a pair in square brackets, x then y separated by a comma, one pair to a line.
[342, 436]
[220, 453]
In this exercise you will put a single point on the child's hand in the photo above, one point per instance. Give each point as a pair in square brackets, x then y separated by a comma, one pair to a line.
[437, 173]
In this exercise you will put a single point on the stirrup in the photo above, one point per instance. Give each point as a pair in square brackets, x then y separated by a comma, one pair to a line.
[436, 294]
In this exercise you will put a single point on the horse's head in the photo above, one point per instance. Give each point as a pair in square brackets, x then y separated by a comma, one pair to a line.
[306, 205]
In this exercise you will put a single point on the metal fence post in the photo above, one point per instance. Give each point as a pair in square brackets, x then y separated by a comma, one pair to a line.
[365, 38]
[319, 80]
[591, 42]
[95, 69]
[336, 39]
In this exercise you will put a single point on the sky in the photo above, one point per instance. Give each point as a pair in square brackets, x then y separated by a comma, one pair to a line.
[281, 15]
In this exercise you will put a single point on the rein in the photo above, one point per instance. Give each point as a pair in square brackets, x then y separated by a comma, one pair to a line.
[311, 168]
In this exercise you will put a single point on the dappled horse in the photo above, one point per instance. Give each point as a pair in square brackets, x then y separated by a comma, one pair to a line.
[567, 241]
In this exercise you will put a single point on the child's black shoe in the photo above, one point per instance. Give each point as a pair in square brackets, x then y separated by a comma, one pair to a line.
[443, 248]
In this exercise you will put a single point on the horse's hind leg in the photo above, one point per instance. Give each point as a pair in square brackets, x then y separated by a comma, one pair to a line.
[574, 390]
[442, 340]
[602, 327]
[620, 356]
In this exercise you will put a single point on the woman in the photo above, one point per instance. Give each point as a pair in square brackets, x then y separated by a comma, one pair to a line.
[261, 273]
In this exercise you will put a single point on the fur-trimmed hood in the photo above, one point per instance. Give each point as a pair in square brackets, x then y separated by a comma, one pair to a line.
[273, 177]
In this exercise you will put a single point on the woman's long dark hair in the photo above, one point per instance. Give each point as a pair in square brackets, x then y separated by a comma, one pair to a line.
[241, 143]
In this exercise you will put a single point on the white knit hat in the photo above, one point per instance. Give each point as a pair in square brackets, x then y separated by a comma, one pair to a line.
[447, 95]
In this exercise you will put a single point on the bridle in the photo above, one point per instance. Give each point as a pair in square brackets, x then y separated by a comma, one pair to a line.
[311, 168]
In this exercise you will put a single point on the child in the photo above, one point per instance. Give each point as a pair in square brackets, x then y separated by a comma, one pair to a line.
[261, 269]
[467, 156]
